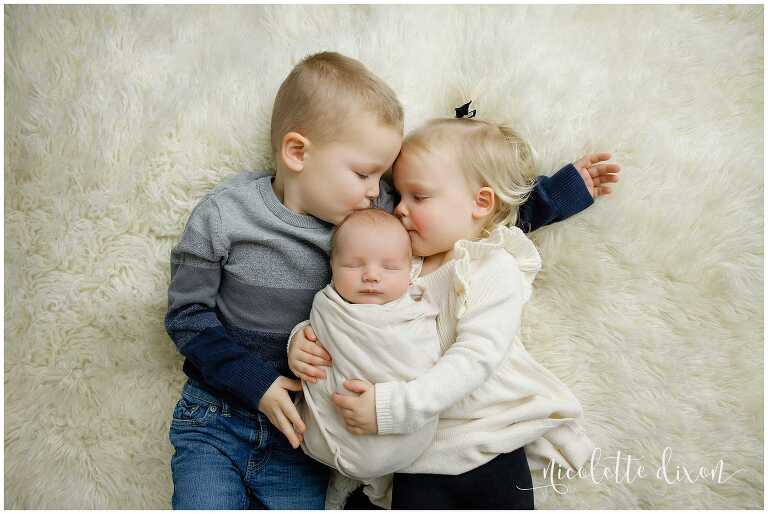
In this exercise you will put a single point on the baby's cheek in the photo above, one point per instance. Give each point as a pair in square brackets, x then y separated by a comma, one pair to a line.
[404, 281]
[343, 283]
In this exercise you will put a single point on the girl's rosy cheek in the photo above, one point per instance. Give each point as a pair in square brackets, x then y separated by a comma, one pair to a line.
[419, 221]
[413, 216]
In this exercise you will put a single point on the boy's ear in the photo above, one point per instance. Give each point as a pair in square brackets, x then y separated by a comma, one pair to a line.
[485, 200]
[292, 151]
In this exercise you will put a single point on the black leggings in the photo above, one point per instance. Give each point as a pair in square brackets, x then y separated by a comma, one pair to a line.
[494, 485]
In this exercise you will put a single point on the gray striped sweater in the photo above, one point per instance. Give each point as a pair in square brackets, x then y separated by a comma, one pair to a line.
[246, 269]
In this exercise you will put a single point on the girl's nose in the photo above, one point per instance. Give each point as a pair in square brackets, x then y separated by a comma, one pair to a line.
[400, 210]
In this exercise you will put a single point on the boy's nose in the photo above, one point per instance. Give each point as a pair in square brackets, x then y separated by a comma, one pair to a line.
[373, 192]
[370, 276]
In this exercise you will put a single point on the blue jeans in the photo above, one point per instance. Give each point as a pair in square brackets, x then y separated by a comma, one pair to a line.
[231, 458]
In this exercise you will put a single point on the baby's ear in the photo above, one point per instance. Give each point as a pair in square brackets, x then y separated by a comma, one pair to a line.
[292, 151]
[485, 200]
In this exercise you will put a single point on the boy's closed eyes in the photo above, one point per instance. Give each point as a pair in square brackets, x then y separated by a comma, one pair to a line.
[330, 180]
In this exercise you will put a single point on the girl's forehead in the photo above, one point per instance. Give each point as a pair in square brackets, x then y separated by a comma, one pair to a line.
[422, 165]
[415, 160]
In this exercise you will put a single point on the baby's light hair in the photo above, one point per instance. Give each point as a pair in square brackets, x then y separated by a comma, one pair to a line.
[372, 217]
[489, 154]
[322, 91]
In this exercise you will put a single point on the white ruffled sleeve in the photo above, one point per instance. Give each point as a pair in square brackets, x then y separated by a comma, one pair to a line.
[491, 287]
[514, 242]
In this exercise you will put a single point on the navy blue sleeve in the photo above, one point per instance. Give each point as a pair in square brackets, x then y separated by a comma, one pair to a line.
[554, 199]
[388, 197]
[192, 321]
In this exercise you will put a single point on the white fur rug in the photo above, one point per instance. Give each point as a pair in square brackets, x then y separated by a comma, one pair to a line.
[650, 304]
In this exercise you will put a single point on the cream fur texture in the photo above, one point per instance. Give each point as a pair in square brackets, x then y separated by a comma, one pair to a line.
[649, 305]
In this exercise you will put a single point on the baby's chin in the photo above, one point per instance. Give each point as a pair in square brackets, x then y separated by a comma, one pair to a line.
[369, 299]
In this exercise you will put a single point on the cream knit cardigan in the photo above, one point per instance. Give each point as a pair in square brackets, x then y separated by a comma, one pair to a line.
[491, 395]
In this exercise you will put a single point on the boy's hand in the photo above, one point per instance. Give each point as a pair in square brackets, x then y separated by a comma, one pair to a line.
[282, 413]
[305, 353]
[359, 412]
[597, 174]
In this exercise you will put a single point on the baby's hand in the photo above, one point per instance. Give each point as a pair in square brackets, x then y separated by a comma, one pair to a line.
[305, 353]
[276, 404]
[597, 174]
[359, 412]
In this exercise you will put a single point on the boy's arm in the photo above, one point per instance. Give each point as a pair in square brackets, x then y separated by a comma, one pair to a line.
[191, 321]
[554, 199]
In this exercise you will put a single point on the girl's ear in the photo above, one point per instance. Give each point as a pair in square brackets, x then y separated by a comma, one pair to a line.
[293, 150]
[485, 200]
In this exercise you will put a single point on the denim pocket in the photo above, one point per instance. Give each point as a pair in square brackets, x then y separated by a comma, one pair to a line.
[190, 411]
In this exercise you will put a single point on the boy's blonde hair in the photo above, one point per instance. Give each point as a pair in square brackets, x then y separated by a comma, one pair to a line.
[489, 154]
[322, 91]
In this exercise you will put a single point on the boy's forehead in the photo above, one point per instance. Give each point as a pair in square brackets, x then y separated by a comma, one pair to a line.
[371, 142]
[363, 153]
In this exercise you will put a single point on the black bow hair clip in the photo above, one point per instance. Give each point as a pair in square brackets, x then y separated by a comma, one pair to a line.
[464, 112]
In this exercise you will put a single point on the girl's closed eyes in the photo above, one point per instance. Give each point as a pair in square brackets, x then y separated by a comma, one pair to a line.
[461, 183]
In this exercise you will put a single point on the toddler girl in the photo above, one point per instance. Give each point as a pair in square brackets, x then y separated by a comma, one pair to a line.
[461, 182]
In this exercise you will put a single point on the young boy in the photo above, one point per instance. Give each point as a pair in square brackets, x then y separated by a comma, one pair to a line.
[252, 256]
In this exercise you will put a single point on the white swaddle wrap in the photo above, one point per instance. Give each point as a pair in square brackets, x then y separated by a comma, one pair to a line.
[377, 343]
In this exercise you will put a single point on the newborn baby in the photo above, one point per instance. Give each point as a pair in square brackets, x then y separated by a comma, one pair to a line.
[375, 327]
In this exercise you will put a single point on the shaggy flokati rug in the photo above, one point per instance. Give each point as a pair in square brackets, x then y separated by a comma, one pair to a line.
[649, 305]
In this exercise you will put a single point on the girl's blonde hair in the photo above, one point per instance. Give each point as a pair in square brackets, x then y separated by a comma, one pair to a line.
[489, 154]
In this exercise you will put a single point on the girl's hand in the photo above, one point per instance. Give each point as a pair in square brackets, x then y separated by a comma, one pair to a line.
[276, 404]
[305, 353]
[596, 173]
[359, 412]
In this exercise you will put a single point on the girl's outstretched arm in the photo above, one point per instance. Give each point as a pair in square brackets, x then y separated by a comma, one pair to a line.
[567, 192]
